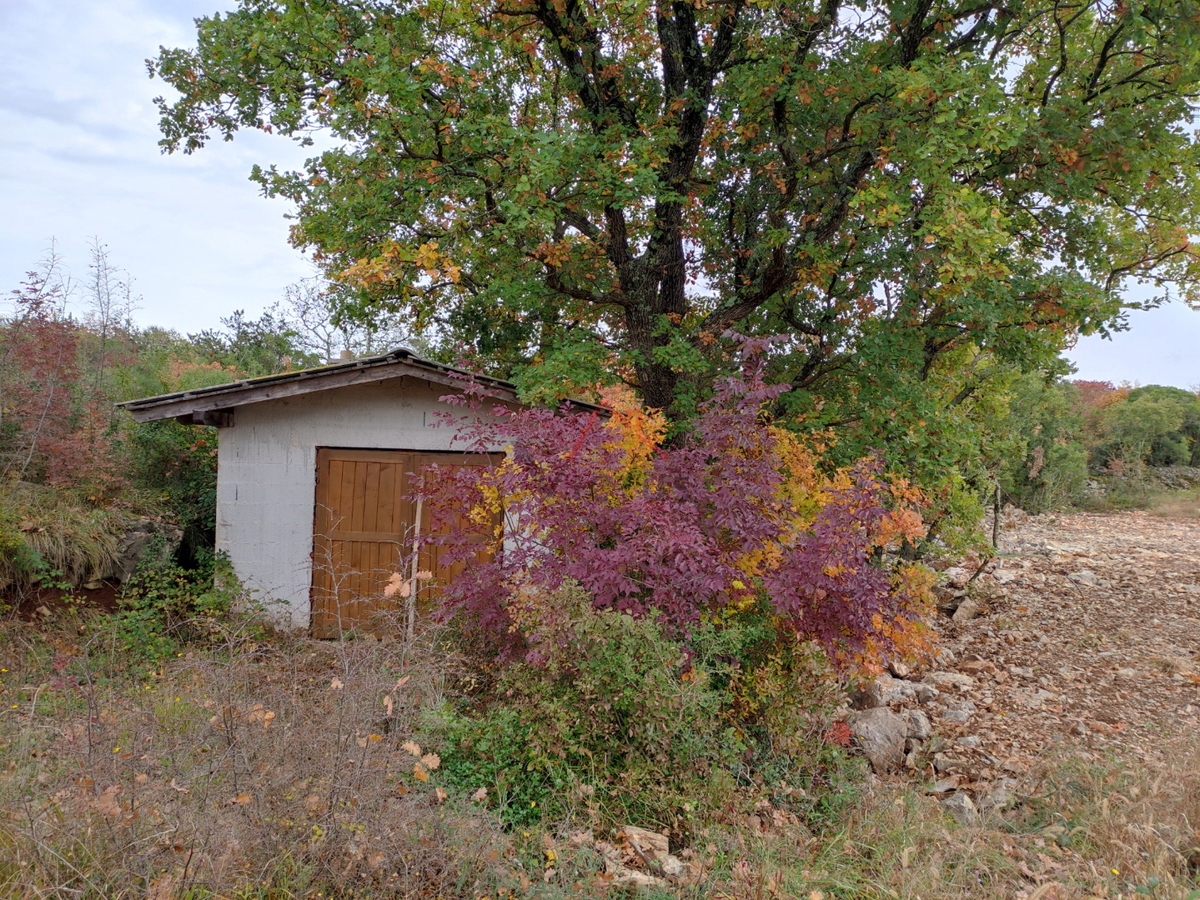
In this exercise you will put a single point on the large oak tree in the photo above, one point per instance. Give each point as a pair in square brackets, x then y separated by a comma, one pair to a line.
[905, 188]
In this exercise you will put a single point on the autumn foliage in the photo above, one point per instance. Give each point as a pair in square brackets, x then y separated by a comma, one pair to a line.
[53, 426]
[732, 518]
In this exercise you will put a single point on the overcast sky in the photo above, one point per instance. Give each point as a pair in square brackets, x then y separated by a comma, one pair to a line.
[79, 159]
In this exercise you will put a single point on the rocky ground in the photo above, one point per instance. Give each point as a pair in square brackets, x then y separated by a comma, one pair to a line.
[1082, 637]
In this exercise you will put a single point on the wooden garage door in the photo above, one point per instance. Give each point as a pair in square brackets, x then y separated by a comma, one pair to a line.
[363, 532]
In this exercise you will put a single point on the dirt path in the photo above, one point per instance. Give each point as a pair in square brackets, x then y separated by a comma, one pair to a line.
[1087, 641]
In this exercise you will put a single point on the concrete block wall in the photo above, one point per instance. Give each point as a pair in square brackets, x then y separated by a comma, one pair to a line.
[266, 475]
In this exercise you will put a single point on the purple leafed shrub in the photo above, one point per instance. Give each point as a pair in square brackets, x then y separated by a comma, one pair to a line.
[701, 527]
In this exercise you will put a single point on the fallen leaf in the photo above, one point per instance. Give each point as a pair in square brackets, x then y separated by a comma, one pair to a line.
[162, 887]
[179, 787]
[420, 772]
[242, 799]
[412, 747]
[441, 795]
[480, 795]
[431, 760]
[107, 802]
[337, 684]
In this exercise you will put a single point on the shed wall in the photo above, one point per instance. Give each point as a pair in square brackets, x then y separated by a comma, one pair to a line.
[267, 475]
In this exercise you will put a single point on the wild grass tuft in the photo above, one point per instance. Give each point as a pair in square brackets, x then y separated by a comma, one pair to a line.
[50, 533]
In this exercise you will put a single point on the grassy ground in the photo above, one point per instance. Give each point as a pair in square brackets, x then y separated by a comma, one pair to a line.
[1176, 504]
[257, 766]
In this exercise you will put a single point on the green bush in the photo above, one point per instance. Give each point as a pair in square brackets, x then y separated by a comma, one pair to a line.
[610, 719]
[607, 715]
[178, 465]
[164, 606]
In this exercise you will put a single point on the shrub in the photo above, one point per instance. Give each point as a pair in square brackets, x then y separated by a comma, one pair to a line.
[163, 605]
[617, 723]
[1050, 468]
[179, 464]
[681, 533]
[658, 620]
[614, 718]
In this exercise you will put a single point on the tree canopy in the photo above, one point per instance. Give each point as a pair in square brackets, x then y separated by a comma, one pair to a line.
[913, 191]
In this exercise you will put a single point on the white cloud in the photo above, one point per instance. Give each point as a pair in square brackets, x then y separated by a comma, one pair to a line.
[79, 157]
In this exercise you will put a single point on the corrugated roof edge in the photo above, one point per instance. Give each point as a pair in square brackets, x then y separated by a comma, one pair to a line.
[251, 387]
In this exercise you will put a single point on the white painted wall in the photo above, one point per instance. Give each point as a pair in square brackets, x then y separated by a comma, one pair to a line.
[267, 467]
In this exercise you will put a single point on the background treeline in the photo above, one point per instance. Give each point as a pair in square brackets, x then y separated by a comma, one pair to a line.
[75, 471]
[1094, 443]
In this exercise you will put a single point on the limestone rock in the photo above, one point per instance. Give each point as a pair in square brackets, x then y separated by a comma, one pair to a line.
[962, 808]
[884, 690]
[950, 681]
[957, 576]
[978, 667]
[146, 538]
[959, 713]
[654, 849]
[1000, 796]
[969, 609]
[649, 844]
[881, 733]
[919, 728]
[899, 668]
[926, 693]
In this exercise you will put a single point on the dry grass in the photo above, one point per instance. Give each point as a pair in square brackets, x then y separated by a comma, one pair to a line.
[74, 539]
[1177, 504]
[1084, 831]
[269, 766]
[272, 766]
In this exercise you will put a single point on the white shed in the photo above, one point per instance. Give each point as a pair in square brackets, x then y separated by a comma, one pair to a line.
[312, 477]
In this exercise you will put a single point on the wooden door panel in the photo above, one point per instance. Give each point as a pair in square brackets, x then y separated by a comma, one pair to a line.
[362, 534]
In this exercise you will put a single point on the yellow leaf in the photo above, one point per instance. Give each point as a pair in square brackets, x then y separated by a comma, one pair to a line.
[420, 772]
[374, 738]
[242, 799]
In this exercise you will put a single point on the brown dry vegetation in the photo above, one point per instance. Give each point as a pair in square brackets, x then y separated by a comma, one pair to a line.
[257, 765]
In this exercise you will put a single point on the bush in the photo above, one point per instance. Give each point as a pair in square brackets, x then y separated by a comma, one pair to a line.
[178, 463]
[614, 718]
[164, 606]
[617, 723]
[1050, 469]
[681, 532]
